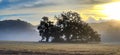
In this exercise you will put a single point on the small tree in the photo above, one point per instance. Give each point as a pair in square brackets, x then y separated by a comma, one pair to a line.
[47, 30]
[44, 29]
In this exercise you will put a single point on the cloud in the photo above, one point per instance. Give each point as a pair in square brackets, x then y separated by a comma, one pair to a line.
[21, 4]
[16, 15]
[47, 8]
[13, 16]
[0, 1]
[13, 0]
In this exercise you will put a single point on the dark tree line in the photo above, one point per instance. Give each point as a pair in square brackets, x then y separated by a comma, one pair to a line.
[69, 28]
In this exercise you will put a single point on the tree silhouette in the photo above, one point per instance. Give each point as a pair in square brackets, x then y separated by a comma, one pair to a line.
[47, 30]
[75, 30]
[44, 29]
[69, 28]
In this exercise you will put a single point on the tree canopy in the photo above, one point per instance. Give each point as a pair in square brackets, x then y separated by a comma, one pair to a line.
[69, 28]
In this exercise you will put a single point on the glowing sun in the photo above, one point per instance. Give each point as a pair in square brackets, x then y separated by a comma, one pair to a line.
[112, 10]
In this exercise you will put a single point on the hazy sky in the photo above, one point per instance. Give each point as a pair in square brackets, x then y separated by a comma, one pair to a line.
[33, 10]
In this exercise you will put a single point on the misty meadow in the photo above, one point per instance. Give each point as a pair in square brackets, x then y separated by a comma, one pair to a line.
[63, 27]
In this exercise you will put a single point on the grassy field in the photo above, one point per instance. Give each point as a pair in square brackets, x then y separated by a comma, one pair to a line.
[34, 48]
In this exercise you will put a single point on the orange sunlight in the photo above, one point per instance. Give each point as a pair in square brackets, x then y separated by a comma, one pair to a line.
[111, 10]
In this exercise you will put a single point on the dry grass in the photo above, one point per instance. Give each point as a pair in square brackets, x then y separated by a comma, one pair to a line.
[29, 48]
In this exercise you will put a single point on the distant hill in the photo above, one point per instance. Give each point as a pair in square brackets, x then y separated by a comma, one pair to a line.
[109, 30]
[17, 30]
[14, 24]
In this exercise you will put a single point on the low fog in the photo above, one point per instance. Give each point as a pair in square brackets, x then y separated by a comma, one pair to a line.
[109, 30]
[19, 36]
[17, 30]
